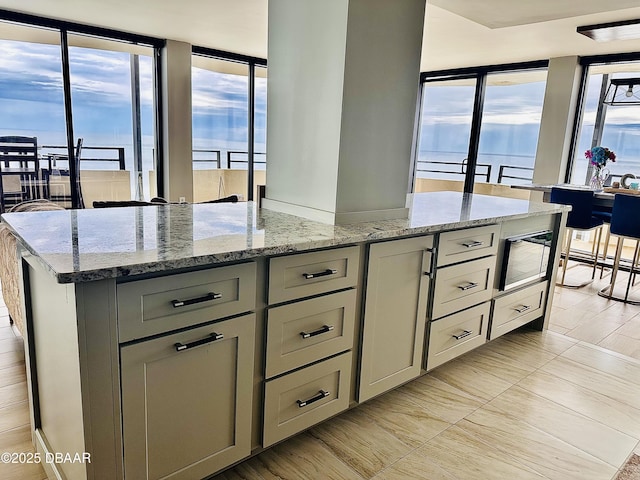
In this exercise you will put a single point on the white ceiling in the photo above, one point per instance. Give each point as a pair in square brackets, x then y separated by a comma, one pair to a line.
[529, 29]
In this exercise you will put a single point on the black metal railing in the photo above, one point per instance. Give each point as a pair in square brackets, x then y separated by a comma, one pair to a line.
[54, 157]
[502, 174]
[217, 156]
[231, 154]
[482, 169]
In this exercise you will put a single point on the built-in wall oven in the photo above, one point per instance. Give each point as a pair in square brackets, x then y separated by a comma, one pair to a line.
[526, 259]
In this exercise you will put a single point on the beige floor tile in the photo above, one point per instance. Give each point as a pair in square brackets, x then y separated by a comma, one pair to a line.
[471, 379]
[522, 349]
[621, 312]
[593, 330]
[594, 438]
[548, 341]
[622, 390]
[598, 358]
[467, 458]
[542, 452]
[414, 467]
[6, 332]
[360, 443]
[492, 360]
[13, 374]
[440, 398]
[623, 344]
[567, 298]
[10, 344]
[299, 457]
[22, 472]
[12, 394]
[12, 438]
[631, 328]
[584, 401]
[404, 418]
[12, 358]
[14, 416]
[557, 329]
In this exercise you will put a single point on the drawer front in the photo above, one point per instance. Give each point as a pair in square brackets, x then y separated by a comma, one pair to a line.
[305, 332]
[464, 285]
[467, 244]
[305, 274]
[457, 334]
[301, 399]
[514, 310]
[158, 305]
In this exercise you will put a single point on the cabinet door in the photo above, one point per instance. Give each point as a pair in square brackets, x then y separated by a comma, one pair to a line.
[186, 401]
[394, 314]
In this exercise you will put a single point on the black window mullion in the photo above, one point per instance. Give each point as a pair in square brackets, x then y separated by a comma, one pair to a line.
[251, 132]
[474, 138]
[74, 170]
[159, 121]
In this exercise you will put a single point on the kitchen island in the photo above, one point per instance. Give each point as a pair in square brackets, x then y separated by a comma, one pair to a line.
[174, 341]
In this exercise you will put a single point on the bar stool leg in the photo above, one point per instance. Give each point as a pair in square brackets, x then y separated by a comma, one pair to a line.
[566, 255]
[616, 264]
[605, 250]
[633, 264]
[595, 257]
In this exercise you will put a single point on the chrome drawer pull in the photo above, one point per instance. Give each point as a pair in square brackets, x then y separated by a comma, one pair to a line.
[473, 243]
[320, 331]
[206, 298]
[321, 394]
[468, 286]
[465, 333]
[211, 338]
[522, 309]
[328, 271]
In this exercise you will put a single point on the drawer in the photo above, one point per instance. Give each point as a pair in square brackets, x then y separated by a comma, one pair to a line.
[310, 330]
[515, 309]
[457, 334]
[302, 275]
[158, 305]
[468, 244]
[461, 286]
[301, 399]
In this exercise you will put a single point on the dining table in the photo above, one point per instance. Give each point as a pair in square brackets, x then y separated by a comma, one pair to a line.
[34, 183]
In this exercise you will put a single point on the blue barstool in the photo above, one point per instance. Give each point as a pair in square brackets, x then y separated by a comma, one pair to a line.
[580, 218]
[605, 216]
[626, 225]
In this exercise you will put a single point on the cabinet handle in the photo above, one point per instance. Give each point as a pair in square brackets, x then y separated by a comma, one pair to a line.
[211, 338]
[522, 309]
[473, 243]
[183, 303]
[323, 329]
[321, 394]
[465, 333]
[328, 271]
[468, 286]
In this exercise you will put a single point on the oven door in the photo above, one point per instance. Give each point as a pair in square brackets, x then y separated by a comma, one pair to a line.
[526, 258]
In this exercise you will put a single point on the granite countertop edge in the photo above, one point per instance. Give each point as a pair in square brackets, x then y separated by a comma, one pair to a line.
[146, 268]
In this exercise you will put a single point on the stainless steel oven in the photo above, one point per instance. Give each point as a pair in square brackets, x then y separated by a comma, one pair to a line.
[526, 258]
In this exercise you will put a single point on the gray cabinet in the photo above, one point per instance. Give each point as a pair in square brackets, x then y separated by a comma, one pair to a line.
[186, 400]
[395, 311]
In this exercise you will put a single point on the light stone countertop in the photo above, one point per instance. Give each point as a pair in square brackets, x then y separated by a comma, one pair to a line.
[93, 244]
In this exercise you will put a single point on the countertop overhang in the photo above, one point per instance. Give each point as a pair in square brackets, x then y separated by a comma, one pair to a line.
[95, 244]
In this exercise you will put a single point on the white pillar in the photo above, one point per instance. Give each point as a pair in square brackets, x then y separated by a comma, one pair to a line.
[343, 86]
[556, 126]
[176, 97]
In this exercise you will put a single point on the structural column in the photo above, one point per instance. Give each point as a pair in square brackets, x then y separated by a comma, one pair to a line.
[343, 88]
[556, 125]
[177, 141]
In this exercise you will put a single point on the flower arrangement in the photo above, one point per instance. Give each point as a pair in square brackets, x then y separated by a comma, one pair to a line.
[598, 156]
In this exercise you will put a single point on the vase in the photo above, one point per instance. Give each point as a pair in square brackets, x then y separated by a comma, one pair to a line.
[598, 178]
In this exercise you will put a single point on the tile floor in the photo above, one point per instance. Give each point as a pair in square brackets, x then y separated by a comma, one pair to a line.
[528, 405]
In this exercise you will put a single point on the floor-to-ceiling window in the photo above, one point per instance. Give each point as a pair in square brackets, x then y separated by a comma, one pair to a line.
[113, 116]
[86, 96]
[479, 128]
[616, 127]
[228, 125]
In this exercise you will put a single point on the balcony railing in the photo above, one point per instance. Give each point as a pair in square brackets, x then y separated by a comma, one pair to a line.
[57, 153]
[485, 168]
